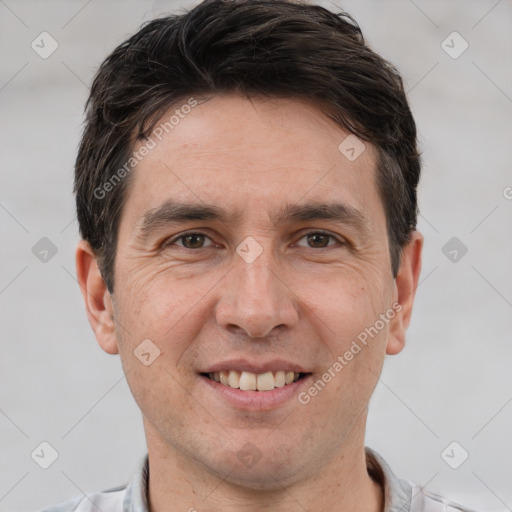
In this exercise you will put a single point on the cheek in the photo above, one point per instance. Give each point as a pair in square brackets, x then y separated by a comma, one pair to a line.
[346, 302]
[347, 313]
[160, 392]
[157, 307]
[155, 327]
[169, 312]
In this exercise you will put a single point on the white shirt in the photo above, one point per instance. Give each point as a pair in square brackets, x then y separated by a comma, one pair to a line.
[399, 495]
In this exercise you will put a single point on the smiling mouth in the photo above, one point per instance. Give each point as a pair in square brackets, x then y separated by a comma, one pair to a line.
[249, 381]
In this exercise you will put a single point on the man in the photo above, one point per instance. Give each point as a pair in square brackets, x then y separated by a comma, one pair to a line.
[246, 194]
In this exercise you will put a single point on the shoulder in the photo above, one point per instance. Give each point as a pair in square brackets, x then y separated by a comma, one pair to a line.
[110, 500]
[423, 500]
[402, 495]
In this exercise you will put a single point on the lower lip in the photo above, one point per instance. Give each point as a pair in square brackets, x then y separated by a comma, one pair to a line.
[257, 400]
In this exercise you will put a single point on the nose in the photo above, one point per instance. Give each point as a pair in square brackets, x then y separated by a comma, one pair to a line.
[256, 298]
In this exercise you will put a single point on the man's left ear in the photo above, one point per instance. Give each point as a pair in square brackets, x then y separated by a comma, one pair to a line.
[406, 282]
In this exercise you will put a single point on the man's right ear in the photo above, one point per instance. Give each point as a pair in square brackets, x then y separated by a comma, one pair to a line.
[98, 302]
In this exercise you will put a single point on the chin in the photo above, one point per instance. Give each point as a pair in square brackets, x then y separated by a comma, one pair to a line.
[250, 468]
[263, 478]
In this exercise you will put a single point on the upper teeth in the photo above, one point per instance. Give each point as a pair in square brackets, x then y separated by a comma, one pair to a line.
[248, 381]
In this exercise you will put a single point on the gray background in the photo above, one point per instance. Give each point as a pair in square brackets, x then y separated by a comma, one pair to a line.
[453, 381]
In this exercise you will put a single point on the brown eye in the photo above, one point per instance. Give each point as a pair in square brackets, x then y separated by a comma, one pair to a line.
[318, 240]
[191, 241]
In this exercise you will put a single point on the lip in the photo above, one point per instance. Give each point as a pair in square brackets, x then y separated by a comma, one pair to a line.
[245, 365]
[256, 400]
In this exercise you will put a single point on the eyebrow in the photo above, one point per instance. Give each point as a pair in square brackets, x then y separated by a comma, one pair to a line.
[173, 212]
[339, 212]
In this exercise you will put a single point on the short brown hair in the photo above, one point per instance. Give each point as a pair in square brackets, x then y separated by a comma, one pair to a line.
[270, 48]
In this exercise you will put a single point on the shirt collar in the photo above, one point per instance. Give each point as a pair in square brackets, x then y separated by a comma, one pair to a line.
[136, 497]
[397, 492]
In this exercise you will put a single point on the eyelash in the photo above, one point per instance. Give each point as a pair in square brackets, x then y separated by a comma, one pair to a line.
[183, 235]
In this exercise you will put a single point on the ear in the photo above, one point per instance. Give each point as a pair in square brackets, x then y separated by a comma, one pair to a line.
[98, 302]
[406, 282]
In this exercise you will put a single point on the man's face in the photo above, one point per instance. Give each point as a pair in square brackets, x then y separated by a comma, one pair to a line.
[256, 290]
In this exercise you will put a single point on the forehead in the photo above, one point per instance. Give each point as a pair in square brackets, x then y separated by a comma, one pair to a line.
[248, 153]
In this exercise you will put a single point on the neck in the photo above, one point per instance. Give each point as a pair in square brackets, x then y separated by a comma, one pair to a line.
[177, 482]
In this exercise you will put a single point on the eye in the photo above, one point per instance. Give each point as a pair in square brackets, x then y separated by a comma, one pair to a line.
[319, 240]
[191, 240]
